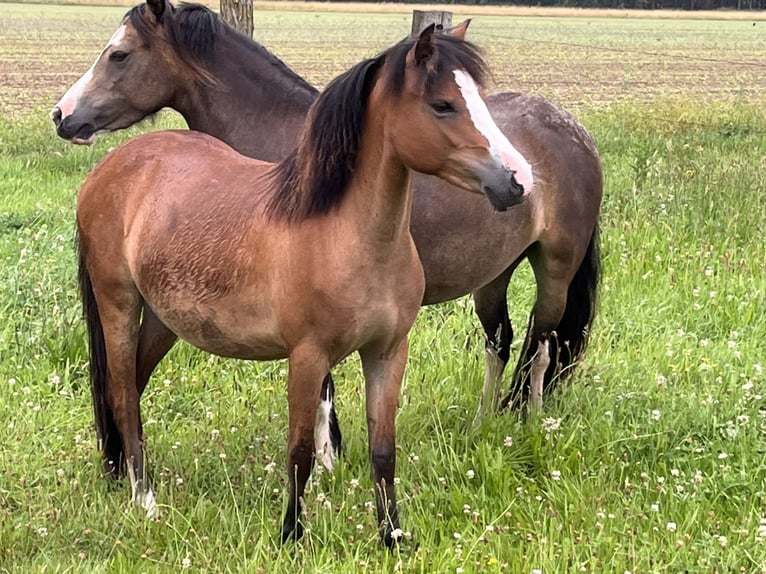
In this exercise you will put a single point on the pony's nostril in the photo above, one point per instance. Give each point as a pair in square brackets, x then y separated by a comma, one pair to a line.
[56, 115]
[516, 188]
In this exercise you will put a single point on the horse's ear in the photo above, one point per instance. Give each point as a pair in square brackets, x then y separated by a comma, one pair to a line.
[424, 48]
[157, 7]
[459, 30]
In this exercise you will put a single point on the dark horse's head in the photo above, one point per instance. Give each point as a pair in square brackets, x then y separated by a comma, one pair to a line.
[156, 49]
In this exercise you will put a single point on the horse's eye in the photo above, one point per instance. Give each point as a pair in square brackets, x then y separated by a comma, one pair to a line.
[443, 108]
[118, 56]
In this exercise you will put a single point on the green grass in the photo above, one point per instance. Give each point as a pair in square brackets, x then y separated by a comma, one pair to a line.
[651, 459]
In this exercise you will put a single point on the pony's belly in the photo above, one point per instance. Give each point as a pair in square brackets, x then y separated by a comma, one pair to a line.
[230, 333]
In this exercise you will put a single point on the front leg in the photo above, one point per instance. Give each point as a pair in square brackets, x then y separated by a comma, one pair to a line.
[307, 367]
[383, 372]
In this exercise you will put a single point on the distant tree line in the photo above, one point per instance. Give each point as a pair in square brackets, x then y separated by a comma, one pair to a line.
[640, 4]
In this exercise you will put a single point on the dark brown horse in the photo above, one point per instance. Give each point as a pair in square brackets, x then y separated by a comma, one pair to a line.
[310, 259]
[227, 85]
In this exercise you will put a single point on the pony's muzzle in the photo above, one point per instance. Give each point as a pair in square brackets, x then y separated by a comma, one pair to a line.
[501, 187]
[82, 133]
[56, 116]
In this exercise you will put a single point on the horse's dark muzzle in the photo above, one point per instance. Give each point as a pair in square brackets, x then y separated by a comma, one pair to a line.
[69, 130]
[502, 189]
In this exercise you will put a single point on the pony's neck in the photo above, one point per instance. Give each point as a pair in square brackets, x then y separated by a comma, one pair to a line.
[258, 105]
[380, 192]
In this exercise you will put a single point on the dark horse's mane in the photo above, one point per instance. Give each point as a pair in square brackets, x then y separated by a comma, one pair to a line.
[313, 179]
[191, 31]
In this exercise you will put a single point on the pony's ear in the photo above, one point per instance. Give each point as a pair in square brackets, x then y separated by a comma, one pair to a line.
[424, 48]
[157, 7]
[459, 30]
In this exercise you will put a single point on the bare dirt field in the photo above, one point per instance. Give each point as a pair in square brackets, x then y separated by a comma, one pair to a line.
[575, 58]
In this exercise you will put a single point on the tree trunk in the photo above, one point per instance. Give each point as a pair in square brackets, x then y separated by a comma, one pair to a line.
[239, 15]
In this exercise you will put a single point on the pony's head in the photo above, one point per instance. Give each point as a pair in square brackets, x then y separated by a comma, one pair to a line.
[426, 93]
[156, 49]
[437, 80]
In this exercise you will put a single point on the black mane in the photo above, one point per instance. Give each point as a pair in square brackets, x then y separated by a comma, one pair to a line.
[313, 179]
[192, 31]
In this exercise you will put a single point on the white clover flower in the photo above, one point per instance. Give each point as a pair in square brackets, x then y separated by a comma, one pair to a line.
[551, 424]
[655, 507]
[722, 455]
[185, 563]
[656, 414]
[508, 441]
[470, 473]
[556, 474]
[671, 526]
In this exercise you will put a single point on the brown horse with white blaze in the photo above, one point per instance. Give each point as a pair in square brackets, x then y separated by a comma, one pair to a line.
[310, 259]
[226, 85]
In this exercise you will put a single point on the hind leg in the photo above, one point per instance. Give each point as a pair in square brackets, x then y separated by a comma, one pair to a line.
[154, 342]
[492, 309]
[327, 435]
[538, 360]
[119, 311]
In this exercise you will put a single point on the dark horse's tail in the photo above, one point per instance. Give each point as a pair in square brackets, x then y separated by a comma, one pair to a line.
[573, 330]
[106, 431]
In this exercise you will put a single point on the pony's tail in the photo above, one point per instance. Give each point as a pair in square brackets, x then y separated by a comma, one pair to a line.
[573, 330]
[106, 431]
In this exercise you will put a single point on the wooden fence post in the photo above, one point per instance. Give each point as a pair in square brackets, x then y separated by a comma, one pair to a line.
[239, 15]
[423, 18]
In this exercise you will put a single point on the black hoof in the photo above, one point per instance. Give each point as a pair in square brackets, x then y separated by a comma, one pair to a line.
[292, 532]
[390, 537]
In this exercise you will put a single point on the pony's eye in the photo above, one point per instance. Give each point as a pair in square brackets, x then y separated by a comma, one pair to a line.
[443, 108]
[118, 56]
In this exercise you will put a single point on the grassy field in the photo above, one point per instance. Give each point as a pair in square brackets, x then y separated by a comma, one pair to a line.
[651, 459]
[579, 62]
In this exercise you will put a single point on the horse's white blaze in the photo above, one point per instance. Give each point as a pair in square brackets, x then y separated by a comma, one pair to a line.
[499, 146]
[68, 102]
[540, 363]
[323, 449]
